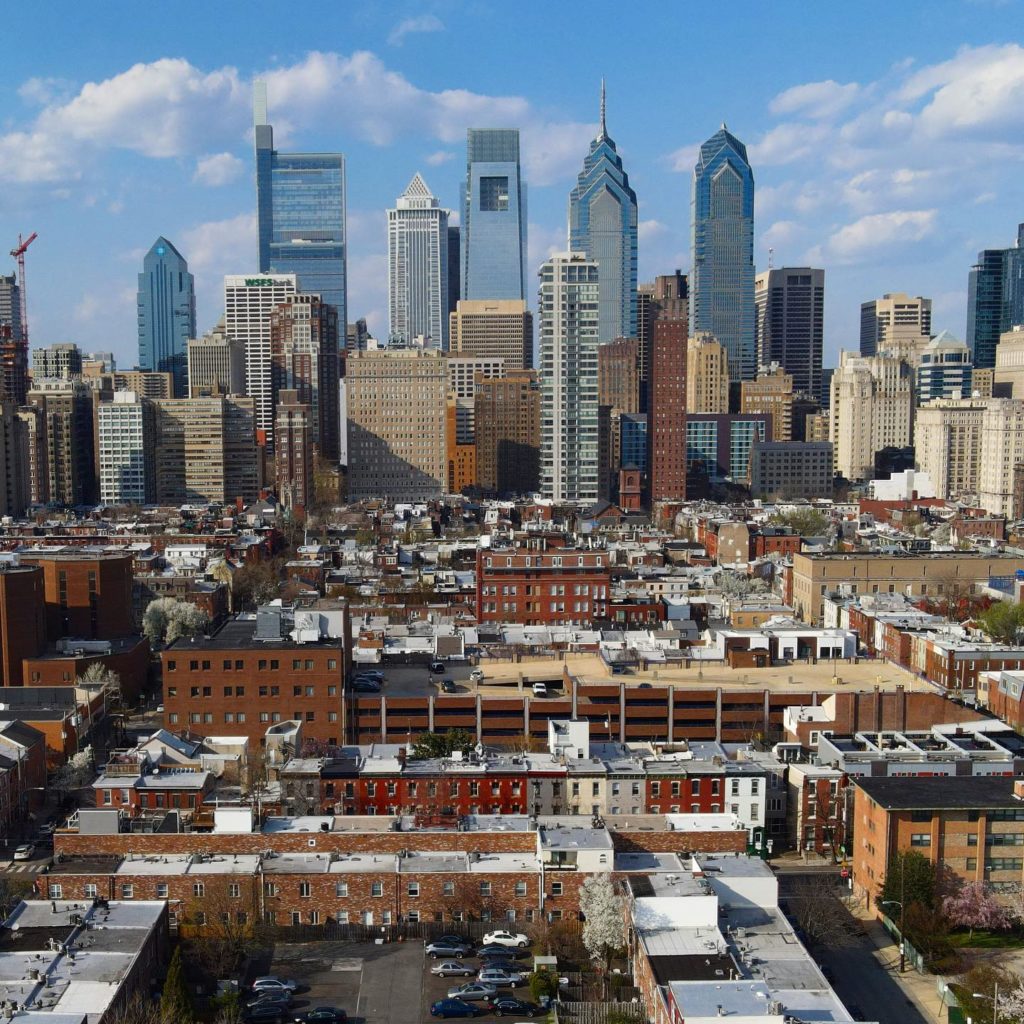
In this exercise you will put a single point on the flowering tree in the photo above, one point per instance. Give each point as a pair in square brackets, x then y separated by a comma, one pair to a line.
[973, 906]
[604, 927]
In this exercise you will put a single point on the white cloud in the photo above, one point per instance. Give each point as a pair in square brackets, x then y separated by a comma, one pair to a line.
[213, 249]
[440, 156]
[44, 91]
[412, 26]
[218, 169]
[684, 158]
[880, 231]
[815, 99]
[788, 142]
[649, 230]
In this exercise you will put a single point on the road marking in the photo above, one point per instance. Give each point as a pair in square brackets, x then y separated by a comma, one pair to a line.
[348, 963]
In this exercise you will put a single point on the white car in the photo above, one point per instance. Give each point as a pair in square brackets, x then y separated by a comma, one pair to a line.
[502, 938]
[540, 689]
[477, 675]
[25, 851]
[272, 984]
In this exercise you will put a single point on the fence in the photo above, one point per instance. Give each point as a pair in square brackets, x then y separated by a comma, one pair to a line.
[599, 1013]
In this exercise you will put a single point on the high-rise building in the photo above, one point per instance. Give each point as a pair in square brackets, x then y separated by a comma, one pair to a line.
[1002, 457]
[248, 304]
[293, 451]
[205, 450]
[618, 393]
[357, 336]
[63, 360]
[1008, 373]
[947, 444]
[14, 375]
[216, 364]
[568, 305]
[722, 275]
[995, 299]
[790, 323]
[508, 433]
[667, 390]
[718, 446]
[603, 226]
[14, 463]
[771, 392]
[300, 206]
[493, 217]
[459, 454]
[944, 369]
[493, 329]
[897, 324]
[872, 408]
[454, 267]
[124, 432]
[147, 383]
[463, 374]
[10, 304]
[304, 358]
[633, 441]
[396, 403]
[167, 312]
[67, 409]
[707, 375]
[418, 266]
[32, 437]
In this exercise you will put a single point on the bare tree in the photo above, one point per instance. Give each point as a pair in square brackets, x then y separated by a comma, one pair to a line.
[224, 930]
[138, 1010]
[816, 908]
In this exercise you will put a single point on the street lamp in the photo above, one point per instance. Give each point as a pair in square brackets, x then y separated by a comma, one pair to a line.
[903, 954]
[995, 1001]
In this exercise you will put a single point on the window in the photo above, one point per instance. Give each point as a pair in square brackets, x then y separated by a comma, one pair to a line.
[198, 889]
[921, 839]
[91, 890]
[448, 889]
[1005, 864]
[341, 890]
[972, 863]
[376, 888]
[972, 839]
[54, 891]
[127, 891]
[161, 890]
[235, 890]
[556, 888]
[485, 888]
[413, 889]
[494, 199]
[305, 890]
[296, 917]
[200, 917]
[520, 888]
[270, 889]
[1005, 839]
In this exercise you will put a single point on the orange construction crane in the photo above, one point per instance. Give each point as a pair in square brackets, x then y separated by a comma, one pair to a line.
[18, 252]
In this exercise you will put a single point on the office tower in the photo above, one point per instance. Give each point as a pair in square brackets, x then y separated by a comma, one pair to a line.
[14, 467]
[944, 369]
[790, 323]
[293, 451]
[454, 267]
[32, 438]
[667, 390]
[147, 383]
[62, 361]
[718, 446]
[896, 324]
[508, 433]
[633, 441]
[397, 405]
[14, 376]
[568, 306]
[707, 375]
[771, 392]
[460, 455]
[871, 409]
[205, 450]
[105, 360]
[124, 430]
[947, 444]
[166, 311]
[722, 277]
[418, 266]
[67, 409]
[304, 358]
[618, 392]
[248, 304]
[790, 470]
[1001, 472]
[995, 299]
[216, 364]
[603, 226]
[463, 373]
[493, 329]
[357, 336]
[644, 322]
[1008, 373]
[493, 217]
[300, 207]
[10, 304]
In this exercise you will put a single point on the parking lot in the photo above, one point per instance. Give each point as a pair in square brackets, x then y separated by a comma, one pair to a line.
[415, 680]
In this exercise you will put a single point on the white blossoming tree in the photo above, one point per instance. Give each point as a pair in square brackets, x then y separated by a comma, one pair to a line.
[604, 925]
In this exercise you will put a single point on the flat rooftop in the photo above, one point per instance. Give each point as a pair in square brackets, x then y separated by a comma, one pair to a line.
[577, 837]
[970, 793]
[237, 634]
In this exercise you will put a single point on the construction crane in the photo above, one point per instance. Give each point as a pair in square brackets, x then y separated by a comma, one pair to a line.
[18, 252]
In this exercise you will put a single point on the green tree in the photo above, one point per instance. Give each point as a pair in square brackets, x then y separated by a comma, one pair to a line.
[1003, 622]
[808, 522]
[928, 931]
[543, 983]
[910, 878]
[441, 744]
[175, 1005]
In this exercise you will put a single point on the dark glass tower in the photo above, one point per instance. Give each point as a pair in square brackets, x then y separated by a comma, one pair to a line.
[995, 299]
[167, 313]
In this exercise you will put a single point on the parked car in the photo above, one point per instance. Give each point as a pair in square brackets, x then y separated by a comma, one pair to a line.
[499, 978]
[281, 998]
[439, 949]
[540, 689]
[504, 938]
[477, 675]
[498, 952]
[271, 983]
[322, 1015]
[452, 969]
[365, 686]
[448, 686]
[501, 1005]
[452, 939]
[472, 991]
[501, 963]
[25, 851]
[454, 1008]
[370, 673]
[265, 1013]
[437, 668]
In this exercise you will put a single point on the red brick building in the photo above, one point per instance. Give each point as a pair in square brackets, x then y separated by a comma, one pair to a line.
[22, 619]
[666, 381]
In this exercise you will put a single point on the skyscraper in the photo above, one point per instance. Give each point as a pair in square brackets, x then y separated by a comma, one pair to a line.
[63, 360]
[498, 329]
[10, 304]
[568, 357]
[418, 266]
[300, 204]
[790, 323]
[944, 370]
[666, 405]
[603, 226]
[722, 277]
[995, 299]
[124, 441]
[493, 217]
[216, 364]
[167, 312]
[293, 451]
[897, 324]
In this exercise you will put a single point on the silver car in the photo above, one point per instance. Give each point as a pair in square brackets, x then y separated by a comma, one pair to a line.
[499, 978]
[472, 991]
[452, 969]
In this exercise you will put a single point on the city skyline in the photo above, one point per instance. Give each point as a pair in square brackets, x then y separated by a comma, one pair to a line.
[854, 162]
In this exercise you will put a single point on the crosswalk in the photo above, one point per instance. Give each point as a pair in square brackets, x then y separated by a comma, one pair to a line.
[20, 868]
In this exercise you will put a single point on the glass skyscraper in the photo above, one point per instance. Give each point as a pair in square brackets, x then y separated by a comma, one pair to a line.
[300, 205]
[493, 217]
[603, 226]
[995, 299]
[167, 313]
[722, 222]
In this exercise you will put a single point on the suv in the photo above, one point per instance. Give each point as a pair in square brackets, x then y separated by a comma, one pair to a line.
[437, 668]
[540, 689]
[448, 686]
[446, 948]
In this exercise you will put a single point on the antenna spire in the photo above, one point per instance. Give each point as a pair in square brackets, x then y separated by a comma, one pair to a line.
[603, 128]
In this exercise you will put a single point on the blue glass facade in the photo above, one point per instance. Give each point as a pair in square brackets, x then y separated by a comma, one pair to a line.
[603, 226]
[722, 224]
[493, 217]
[633, 440]
[718, 445]
[995, 299]
[166, 313]
[300, 202]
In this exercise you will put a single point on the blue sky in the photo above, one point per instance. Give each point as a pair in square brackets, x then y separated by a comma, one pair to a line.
[887, 139]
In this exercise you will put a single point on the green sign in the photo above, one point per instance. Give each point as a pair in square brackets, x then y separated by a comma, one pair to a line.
[259, 282]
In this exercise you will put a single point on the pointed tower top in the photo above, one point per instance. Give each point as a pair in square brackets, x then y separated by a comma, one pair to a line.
[604, 130]
[417, 188]
[725, 127]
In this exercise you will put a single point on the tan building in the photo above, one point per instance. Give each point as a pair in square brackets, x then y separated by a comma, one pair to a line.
[872, 405]
[397, 411]
[815, 575]
[460, 455]
[771, 392]
[816, 426]
[1001, 474]
[618, 392]
[216, 364]
[982, 382]
[67, 409]
[462, 375]
[293, 451]
[494, 329]
[35, 459]
[947, 441]
[707, 375]
[897, 324]
[1008, 374]
[205, 450]
[145, 383]
[508, 433]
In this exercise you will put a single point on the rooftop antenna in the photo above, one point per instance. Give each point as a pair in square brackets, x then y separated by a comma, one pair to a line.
[603, 129]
